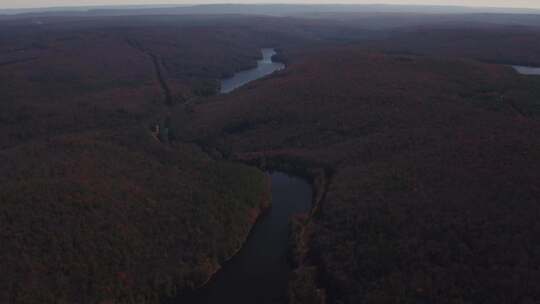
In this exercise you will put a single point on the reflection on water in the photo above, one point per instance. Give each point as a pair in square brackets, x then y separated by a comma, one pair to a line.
[527, 70]
[265, 66]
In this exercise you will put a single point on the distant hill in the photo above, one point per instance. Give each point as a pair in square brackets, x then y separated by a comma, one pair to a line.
[261, 9]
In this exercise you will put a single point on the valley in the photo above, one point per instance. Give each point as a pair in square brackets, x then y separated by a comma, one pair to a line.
[302, 157]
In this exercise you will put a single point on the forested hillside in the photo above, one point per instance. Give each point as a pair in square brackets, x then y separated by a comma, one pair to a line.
[115, 220]
[420, 140]
[432, 194]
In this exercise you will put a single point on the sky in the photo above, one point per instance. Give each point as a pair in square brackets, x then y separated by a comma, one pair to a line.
[5, 4]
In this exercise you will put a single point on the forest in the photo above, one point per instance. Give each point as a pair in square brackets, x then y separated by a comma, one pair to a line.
[420, 140]
[432, 196]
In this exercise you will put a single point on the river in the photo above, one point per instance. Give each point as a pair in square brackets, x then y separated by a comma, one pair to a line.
[259, 272]
[265, 66]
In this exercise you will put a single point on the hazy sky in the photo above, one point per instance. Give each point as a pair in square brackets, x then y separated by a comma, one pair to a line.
[47, 3]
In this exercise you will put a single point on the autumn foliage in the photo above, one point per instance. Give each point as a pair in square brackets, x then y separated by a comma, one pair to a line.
[423, 147]
[433, 196]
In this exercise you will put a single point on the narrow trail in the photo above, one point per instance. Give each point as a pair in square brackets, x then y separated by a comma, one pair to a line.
[163, 83]
[518, 111]
[158, 71]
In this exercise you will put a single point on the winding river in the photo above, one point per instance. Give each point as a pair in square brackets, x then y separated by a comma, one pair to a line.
[259, 272]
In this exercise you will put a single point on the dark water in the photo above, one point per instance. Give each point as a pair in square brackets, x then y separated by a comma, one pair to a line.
[527, 70]
[259, 273]
[264, 67]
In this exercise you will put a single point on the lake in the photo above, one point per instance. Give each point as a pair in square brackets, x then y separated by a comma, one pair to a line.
[265, 66]
[259, 272]
[524, 70]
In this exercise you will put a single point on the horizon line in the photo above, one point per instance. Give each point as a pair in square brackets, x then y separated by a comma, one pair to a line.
[164, 5]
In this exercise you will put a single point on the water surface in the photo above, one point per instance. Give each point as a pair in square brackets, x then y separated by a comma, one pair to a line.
[259, 273]
[265, 67]
[524, 70]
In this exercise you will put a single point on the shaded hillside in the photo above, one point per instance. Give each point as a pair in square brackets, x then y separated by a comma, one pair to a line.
[433, 196]
[504, 44]
[68, 75]
[93, 208]
[94, 218]
[432, 162]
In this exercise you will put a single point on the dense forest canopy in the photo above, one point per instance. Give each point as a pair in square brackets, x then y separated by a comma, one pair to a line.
[126, 177]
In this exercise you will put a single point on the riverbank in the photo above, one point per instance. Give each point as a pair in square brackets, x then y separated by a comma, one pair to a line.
[272, 224]
[400, 162]
[295, 246]
[259, 272]
[254, 215]
[304, 284]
